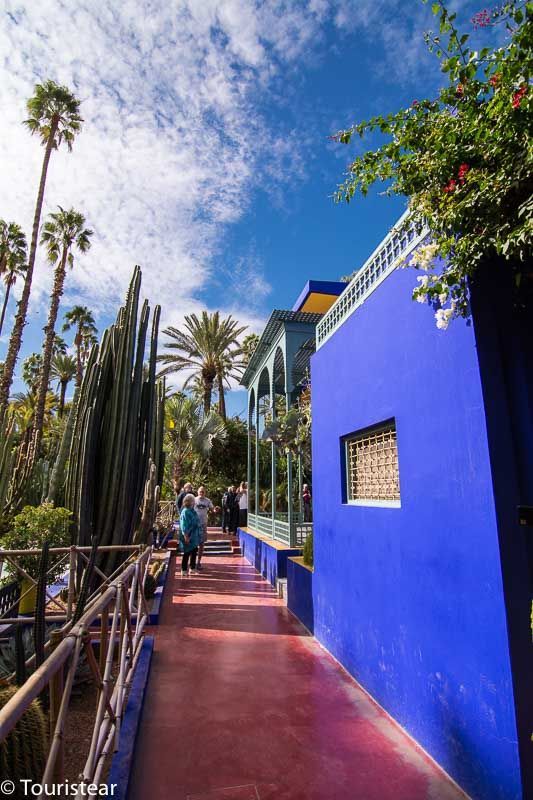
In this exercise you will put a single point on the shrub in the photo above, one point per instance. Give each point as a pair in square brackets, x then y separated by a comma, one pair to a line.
[31, 528]
[464, 158]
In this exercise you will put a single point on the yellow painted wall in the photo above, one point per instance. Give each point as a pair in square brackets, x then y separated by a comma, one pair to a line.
[318, 303]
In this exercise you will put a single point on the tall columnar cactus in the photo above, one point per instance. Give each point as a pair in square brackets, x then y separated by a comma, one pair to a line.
[7, 457]
[88, 576]
[20, 656]
[117, 431]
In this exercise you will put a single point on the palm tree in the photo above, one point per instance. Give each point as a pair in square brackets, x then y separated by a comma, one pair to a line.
[249, 345]
[61, 232]
[202, 349]
[13, 254]
[229, 367]
[63, 369]
[82, 319]
[59, 346]
[54, 116]
[24, 403]
[189, 433]
[31, 368]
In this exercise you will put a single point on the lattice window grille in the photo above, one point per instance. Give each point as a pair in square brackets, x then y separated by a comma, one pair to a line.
[372, 466]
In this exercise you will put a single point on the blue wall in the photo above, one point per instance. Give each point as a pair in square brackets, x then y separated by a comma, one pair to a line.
[410, 599]
[300, 593]
[265, 557]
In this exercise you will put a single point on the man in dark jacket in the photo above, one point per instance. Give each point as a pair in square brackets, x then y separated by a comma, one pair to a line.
[187, 489]
[230, 510]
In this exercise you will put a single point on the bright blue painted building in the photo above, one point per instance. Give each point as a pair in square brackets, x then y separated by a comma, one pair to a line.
[422, 474]
[423, 595]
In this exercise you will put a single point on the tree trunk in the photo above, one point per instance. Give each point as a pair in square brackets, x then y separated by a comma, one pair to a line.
[64, 385]
[208, 391]
[4, 306]
[20, 320]
[48, 351]
[221, 396]
[79, 365]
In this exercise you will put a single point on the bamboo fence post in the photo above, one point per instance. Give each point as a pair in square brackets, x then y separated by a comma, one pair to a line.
[104, 632]
[71, 576]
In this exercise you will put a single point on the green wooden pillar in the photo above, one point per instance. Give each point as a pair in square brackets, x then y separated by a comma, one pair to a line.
[274, 475]
[256, 410]
[249, 420]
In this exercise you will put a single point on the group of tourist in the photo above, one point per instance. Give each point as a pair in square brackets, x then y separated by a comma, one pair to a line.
[235, 508]
[193, 511]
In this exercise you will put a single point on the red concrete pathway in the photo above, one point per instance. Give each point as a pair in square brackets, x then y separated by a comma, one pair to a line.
[242, 704]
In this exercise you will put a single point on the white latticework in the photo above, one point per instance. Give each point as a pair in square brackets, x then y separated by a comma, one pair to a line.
[372, 466]
[392, 251]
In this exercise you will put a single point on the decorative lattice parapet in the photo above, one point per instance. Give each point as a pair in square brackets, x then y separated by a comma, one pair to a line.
[391, 253]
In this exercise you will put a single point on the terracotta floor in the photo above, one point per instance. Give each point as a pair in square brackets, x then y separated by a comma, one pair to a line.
[242, 704]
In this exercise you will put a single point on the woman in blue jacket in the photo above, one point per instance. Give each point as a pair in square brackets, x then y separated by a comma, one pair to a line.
[189, 535]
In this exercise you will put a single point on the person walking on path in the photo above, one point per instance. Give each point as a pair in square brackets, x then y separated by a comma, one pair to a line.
[189, 535]
[243, 504]
[203, 506]
[306, 497]
[187, 489]
[229, 505]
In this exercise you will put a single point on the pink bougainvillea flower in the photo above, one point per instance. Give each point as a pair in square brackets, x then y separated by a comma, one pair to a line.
[463, 169]
[517, 96]
[481, 19]
[450, 186]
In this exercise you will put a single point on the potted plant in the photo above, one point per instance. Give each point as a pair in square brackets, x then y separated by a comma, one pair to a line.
[31, 528]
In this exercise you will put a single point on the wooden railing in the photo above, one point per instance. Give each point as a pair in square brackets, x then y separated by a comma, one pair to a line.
[74, 559]
[119, 608]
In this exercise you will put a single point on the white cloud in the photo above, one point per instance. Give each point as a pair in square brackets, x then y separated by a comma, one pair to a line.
[174, 142]
[177, 137]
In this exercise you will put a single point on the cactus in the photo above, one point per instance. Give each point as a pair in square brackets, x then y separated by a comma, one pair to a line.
[117, 433]
[57, 479]
[152, 576]
[39, 627]
[7, 457]
[24, 749]
[20, 656]
[87, 580]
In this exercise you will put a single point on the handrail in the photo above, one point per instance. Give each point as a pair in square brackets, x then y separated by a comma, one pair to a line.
[125, 597]
[75, 552]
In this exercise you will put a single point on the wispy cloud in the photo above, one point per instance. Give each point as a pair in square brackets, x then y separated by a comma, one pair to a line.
[175, 139]
[178, 136]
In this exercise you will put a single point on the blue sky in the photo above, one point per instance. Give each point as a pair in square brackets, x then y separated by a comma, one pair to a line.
[205, 155]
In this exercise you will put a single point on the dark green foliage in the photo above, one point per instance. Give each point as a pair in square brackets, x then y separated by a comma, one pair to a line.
[31, 528]
[118, 431]
[39, 628]
[226, 464]
[23, 751]
[307, 551]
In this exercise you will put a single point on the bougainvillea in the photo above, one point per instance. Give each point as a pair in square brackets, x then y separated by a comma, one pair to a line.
[464, 159]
